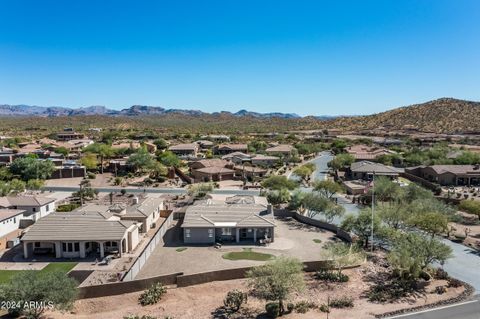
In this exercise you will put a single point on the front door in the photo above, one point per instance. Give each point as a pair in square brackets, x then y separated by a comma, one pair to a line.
[243, 233]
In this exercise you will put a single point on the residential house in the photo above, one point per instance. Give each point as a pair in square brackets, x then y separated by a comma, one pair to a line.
[237, 157]
[245, 219]
[448, 175]
[265, 160]
[67, 136]
[34, 207]
[211, 170]
[9, 225]
[225, 149]
[146, 213]
[185, 150]
[68, 169]
[280, 150]
[367, 153]
[78, 234]
[365, 170]
[205, 144]
[249, 172]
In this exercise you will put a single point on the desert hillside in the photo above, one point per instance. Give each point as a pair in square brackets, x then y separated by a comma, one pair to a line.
[445, 115]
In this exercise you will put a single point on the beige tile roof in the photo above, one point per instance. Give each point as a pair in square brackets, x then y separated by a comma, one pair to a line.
[9, 213]
[29, 200]
[282, 148]
[76, 226]
[213, 214]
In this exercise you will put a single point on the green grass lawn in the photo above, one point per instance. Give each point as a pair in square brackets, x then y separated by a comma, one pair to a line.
[247, 254]
[6, 275]
[317, 241]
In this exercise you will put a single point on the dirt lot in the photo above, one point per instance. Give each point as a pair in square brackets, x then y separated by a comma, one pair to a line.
[201, 301]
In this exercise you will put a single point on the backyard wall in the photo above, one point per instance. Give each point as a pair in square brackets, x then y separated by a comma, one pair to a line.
[147, 251]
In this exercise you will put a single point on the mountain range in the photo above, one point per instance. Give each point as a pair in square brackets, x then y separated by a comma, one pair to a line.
[444, 115]
[135, 110]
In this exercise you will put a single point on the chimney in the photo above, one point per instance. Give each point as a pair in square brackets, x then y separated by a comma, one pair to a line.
[135, 200]
[270, 209]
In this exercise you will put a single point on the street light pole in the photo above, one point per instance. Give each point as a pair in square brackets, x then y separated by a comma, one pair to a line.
[373, 205]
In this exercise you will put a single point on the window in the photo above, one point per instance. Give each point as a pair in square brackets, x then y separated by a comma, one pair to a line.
[37, 244]
[226, 231]
[64, 246]
[70, 247]
[210, 232]
[34, 209]
[48, 208]
[187, 232]
[77, 246]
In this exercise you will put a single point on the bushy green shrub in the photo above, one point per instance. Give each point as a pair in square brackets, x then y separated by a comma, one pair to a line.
[152, 295]
[67, 207]
[91, 175]
[342, 302]
[304, 306]
[234, 300]
[470, 206]
[272, 309]
[332, 276]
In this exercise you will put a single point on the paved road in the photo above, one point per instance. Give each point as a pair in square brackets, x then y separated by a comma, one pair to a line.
[465, 310]
[150, 190]
[465, 264]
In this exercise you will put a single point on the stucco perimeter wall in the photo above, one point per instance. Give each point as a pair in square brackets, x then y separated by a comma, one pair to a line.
[123, 287]
[342, 234]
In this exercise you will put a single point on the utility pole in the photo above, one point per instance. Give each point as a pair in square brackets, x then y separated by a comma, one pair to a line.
[373, 204]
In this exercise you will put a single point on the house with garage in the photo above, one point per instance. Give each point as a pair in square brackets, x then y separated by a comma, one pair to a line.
[10, 226]
[79, 234]
[35, 207]
[238, 219]
[448, 175]
[225, 149]
[365, 170]
[185, 150]
[280, 150]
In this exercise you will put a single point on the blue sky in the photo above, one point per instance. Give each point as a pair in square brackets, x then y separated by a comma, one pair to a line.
[308, 57]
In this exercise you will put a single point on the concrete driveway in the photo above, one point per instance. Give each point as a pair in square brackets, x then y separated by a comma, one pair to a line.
[291, 238]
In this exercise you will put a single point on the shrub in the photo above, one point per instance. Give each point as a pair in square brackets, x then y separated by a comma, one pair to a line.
[272, 309]
[152, 295]
[324, 308]
[91, 175]
[123, 191]
[332, 276]
[342, 302]
[67, 207]
[470, 206]
[304, 306]
[441, 274]
[440, 290]
[290, 307]
[389, 292]
[454, 283]
[234, 300]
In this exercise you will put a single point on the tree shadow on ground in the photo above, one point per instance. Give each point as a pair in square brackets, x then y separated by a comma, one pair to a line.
[293, 224]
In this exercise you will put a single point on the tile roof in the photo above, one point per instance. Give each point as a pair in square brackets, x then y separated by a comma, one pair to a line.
[239, 214]
[9, 213]
[369, 167]
[29, 200]
[76, 226]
